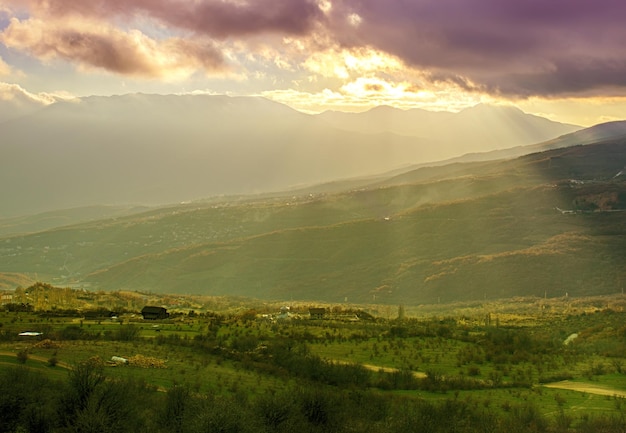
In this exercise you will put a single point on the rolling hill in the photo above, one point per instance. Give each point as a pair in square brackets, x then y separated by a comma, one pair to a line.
[550, 224]
[152, 149]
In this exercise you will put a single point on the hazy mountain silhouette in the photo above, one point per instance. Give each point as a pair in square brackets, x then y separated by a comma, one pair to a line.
[476, 129]
[150, 149]
[609, 130]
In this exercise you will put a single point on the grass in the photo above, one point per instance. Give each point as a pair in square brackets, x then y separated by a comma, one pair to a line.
[414, 354]
[56, 372]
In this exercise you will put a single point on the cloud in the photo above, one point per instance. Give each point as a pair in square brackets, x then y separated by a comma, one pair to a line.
[355, 62]
[16, 101]
[523, 48]
[94, 45]
[4, 68]
[162, 39]
[213, 18]
[17, 94]
[364, 93]
[516, 49]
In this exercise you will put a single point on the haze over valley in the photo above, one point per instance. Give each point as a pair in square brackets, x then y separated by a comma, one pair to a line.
[151, 149]
[549, 223]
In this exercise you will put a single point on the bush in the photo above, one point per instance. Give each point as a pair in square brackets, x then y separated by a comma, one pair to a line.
[22, 356]
[127, 333]
[473, 371]
[275, 410]
[27, 401]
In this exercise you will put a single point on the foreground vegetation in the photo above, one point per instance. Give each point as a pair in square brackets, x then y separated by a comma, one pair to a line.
[467, 368]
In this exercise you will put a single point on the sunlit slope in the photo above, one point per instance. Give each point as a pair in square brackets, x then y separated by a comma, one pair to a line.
[50, 220]
[69, 253]
[461, 250]
[9, 281]
[544, 224]
[527, 229]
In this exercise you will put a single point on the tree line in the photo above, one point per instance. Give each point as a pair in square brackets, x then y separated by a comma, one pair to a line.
[89, 401]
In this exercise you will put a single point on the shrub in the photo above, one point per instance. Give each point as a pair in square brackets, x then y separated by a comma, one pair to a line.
[22, 356]
[127, 333]
[473, 371]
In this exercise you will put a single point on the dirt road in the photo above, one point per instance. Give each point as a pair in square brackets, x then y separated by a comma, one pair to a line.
[589, 388]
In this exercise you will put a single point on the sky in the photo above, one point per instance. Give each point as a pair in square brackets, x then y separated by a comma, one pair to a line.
[561, 59]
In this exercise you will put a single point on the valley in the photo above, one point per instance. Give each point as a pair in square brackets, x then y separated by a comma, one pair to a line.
[548, 223]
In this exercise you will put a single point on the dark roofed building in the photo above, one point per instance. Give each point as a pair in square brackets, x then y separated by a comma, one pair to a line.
[154, 313]
[317, 313]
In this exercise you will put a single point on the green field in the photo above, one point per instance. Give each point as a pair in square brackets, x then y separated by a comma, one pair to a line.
[480, 372]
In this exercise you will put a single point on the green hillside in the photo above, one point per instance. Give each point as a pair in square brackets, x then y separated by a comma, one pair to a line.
[547, 224]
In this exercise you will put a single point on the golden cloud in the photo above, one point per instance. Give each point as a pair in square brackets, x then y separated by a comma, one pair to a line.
[14, 92]
[94, 45]
[4, 68]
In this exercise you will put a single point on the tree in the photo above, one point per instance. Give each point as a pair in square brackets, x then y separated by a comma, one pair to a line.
[83, 379]
[401, 312]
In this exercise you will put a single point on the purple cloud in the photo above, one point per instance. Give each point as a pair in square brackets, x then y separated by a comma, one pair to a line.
[512, 48]
[213, 18]
[530, 47]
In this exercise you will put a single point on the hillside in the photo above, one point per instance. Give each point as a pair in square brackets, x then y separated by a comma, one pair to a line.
[546, 224]
[58, 218]
[153, 150]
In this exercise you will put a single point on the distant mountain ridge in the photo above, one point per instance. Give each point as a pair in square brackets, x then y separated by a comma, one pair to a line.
[609, 130]
[153, 149]
[480, 128]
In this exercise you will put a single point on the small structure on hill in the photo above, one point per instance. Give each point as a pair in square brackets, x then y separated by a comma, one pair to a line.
[317, 313]
[30, 334]
[99, 314]
[154, 313]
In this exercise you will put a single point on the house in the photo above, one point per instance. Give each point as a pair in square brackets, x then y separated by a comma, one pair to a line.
[6, 298]
[154, 313]
[317, 313]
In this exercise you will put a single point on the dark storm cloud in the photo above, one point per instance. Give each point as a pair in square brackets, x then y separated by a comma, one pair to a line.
[569, 77]
[528, 47]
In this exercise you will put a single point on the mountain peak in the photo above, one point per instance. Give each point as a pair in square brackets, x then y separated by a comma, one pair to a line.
[484, 107]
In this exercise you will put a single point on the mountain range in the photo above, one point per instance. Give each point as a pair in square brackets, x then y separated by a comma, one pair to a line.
[548, 223]
[151, 149]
